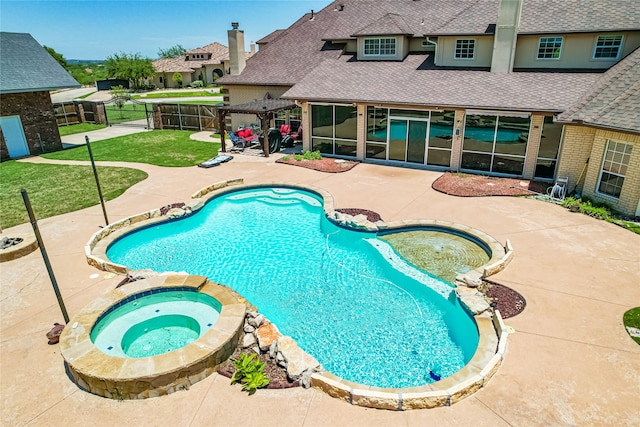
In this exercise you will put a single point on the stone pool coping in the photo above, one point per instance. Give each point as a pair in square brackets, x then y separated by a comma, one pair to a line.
[473, 376]
[139, 378]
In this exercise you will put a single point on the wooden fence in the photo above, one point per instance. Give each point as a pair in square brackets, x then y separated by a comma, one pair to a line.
[74, 112]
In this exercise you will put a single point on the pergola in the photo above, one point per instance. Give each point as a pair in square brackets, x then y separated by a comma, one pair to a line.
[263, 108]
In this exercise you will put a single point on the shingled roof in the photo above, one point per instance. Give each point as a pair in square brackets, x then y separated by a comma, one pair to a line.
[415, 81]
[26, 67]
[614, 100]
[389, 24]
[218, 52]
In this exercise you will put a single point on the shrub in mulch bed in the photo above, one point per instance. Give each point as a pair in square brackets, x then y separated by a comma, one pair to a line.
[371, 215]
[326, 164]
[276, 374]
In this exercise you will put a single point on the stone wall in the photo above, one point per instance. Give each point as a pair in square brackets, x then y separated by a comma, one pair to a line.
[38, 120]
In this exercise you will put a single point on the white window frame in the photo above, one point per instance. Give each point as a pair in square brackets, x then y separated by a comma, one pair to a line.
[604, 37]
[548, 45]
[459, 49]
[378, 45]
[618, 163]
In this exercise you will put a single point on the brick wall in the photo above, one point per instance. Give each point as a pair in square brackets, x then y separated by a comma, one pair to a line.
[628, 201]
[36, 113]
[575, 151]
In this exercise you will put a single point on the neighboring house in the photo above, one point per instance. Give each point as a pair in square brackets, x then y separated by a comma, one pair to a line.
[27, 74]
[206, 63]
[472, 86]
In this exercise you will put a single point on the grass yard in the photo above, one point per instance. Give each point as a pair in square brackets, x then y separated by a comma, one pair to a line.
[159, 147]
[57, 189]
[79, 128]
[179, 94]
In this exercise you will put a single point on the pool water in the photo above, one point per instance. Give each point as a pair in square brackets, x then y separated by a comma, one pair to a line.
[345, 296]
[153, 324]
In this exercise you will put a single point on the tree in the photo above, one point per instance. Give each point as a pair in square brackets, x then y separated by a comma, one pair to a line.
[57, 56]
[177, 78]
[172, 52]
[129, 66]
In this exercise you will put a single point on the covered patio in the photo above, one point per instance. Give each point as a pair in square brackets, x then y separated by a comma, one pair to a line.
[265, 109]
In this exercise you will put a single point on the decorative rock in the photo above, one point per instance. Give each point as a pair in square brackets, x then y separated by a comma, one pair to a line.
[474, 301]
[249, 329]
[297, 361]
[273, 350]
[251, 314]
[54, 334]
[256, 321]
[473, 279]
[360, 220]
[248, 340]
[176, 213]
[267, 334]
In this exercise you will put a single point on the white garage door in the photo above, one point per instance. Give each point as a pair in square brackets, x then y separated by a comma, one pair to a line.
[14, 136]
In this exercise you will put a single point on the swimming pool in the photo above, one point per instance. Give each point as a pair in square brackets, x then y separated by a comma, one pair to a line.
[345, 296]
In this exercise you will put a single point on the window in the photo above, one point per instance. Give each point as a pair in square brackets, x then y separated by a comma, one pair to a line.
[465, 49]
[334, 129]
[549, 47]
[614, 168]
[608, 47]
[495, 144]
[380, 47]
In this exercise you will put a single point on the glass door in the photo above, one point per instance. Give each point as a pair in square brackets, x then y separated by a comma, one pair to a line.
[417, 141]
[398, 139]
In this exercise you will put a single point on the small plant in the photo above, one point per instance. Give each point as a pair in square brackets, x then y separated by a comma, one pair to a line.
[249, 372]
[315, 155]
[298, 157]
[286, 158]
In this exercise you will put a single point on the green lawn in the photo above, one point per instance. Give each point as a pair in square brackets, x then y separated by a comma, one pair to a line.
[79, 128]
[57, 189]
[158, 147]
[179, 94]
[632, 318]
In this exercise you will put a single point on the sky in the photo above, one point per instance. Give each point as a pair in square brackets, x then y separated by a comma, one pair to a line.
[96, 29]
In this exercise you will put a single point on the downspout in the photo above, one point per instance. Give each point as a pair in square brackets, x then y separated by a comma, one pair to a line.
[435, 49]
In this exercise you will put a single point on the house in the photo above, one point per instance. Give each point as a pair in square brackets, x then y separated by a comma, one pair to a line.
[206, 63]
[27, 74]
[473, 86]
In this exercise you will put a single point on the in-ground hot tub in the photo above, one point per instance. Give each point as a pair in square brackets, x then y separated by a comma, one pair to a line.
[152, 337]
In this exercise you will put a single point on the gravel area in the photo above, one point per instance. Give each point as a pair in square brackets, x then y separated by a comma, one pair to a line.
[509, 302]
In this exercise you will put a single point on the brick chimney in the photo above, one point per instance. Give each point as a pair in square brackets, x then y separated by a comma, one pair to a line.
[237, 58]
[504, 40]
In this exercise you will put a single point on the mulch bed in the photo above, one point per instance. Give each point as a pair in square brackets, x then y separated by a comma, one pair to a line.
[509, 302]
[467, 185]
[326, 164]
[275, 373]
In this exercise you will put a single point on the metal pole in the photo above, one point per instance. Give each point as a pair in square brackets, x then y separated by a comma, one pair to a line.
[36, 231]
[95, 174]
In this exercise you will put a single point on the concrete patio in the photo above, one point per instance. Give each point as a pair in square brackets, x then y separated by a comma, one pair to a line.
[569, 362]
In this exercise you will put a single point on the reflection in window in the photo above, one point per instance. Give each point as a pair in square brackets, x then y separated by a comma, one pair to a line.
[496, 144]
[608, 47]
[614, 168]
[334, 129]
[549, 47]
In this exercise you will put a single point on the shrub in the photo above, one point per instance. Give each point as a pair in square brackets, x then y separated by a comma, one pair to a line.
[249, 372]
[197, 83]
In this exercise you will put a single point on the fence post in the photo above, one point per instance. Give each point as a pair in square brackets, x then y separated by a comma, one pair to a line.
[47, 263]
[199, 118]
[179, 116]
[95, 174]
